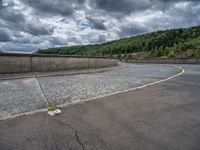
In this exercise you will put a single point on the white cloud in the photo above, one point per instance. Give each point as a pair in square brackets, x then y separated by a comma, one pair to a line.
[34, 25]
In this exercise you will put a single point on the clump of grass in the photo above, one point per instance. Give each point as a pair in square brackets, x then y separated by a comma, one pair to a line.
[53, 107]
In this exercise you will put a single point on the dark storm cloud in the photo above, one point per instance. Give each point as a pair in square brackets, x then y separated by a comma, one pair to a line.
[4, 36]
[73, 40]
[184, 15]
[23, 40]
[58, 41]
[16, 20]
[132, 29]
[38, 29]
[175, 14]
[1, 3]
[121, 6]
[188, 15]
[55, 7]
[96, 23]
[21, 29]
[125, 7]
[8, 14]
[24, 24]
[177, 0]
[101, 39]
[92, 38]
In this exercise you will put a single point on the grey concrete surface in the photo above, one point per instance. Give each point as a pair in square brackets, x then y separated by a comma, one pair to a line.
[24, 95]
[9, 76]
[18, 96]
[160, 117]
[67, 89]
[19, 63]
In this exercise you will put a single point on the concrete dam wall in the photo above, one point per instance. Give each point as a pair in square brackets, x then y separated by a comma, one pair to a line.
[164, 61]
[19, 63]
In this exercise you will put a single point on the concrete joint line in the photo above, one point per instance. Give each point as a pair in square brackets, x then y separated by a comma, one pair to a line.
[40, 87]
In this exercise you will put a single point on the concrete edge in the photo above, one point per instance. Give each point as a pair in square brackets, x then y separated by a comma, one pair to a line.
[52, 55]
[164, 61]
[66, 74]
[182, 70]
[24, 114]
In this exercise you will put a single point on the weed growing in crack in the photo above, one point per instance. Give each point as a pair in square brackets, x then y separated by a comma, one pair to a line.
[53, 107]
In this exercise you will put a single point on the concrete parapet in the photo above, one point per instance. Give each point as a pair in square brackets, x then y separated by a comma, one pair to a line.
[18, 63]
[164, 61]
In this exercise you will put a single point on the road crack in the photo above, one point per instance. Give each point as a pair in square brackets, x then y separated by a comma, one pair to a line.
[74, 130]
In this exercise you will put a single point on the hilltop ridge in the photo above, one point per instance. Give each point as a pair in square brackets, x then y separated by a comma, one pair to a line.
[171, 43]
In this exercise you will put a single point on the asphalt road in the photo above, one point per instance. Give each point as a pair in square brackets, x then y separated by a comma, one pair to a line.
[24, 95]
[159, 117]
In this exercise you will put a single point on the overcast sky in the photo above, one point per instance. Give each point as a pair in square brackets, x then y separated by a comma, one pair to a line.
[26, 25]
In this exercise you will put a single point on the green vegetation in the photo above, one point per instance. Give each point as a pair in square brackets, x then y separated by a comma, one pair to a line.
[173, 43]
[53, 107]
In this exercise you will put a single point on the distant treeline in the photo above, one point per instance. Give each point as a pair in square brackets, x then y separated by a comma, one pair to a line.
[183, 42]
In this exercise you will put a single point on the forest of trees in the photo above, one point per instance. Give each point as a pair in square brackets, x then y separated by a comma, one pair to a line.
[181, 43]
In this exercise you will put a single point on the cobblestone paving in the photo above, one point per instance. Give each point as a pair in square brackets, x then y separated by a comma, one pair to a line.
[22, 95]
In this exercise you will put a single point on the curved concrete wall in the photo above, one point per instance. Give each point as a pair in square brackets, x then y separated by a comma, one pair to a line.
[18, 63]
[164, 61]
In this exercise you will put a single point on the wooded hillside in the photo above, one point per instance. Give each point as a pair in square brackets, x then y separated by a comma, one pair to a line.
[180, 43]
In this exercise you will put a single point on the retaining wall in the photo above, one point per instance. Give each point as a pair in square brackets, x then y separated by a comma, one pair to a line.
[18, 63]
[164, 61]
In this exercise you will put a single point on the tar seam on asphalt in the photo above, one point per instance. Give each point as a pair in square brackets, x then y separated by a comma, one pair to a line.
[75, 132]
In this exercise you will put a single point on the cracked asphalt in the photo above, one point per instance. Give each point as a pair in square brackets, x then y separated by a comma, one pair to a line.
[164, 116]
[24, 95]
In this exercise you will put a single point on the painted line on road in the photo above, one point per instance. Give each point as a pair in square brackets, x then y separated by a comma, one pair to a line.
[94, 98]
[24, 114]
